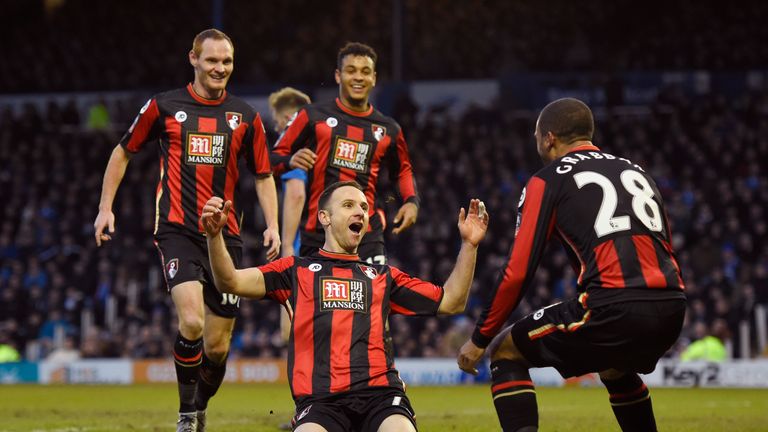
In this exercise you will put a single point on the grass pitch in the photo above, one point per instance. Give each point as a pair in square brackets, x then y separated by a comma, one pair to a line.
[263, 407]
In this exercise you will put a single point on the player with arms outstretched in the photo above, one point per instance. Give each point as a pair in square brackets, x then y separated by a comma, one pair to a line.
[341, 374]
[609, 214]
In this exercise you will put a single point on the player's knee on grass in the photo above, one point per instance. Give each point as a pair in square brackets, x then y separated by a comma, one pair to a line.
[396, 423]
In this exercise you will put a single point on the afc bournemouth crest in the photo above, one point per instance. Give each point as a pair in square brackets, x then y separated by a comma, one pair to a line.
[378, 131]
[233, 119]
[369, 271]
[172, 267]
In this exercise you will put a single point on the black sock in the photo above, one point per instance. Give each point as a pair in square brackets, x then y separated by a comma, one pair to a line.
[631, 403]
[187, 356]
[514, 396]
[211, 376]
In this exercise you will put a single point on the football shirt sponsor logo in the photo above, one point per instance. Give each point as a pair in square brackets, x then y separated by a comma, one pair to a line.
[205, 148]
[351, 154]
[343, 294]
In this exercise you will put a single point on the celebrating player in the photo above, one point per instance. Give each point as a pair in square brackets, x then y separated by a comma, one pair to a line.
[609, 215]
[341, 375]
[347, 139]
[202, 132]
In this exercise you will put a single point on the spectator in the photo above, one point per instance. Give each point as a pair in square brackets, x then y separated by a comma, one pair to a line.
[709, 346]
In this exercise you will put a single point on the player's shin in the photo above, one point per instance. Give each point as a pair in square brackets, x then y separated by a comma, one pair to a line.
[631, 403]
[211, 377]
[514, 396]
[187, 356]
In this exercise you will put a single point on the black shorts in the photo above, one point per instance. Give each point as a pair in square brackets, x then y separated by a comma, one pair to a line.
[358, 411]
[185, 259]
[628, 336]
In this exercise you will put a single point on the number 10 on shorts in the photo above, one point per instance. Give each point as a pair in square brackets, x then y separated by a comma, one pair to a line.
[230, 299]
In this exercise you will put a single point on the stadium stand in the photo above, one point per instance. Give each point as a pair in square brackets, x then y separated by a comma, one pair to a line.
[709, 153]
[75, 45]
[55, 285]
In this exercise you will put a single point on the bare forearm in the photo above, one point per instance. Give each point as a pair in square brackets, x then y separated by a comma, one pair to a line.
[267, 194]
[113, 175]
[293, 204]
[224, 272]
[456, 288]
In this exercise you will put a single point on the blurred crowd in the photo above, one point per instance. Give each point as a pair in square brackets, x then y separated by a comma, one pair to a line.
[76, 45]
[62, 296]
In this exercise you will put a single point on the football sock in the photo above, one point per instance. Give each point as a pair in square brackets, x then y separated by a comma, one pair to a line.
[631, 403]
[514, 396]
[187, 356]
[211, 376]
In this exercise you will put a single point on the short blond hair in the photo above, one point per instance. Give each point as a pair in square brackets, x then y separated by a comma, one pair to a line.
[211, 33]
[288, 97]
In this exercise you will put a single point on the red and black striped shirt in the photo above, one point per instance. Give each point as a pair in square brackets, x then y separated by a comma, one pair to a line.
[611, 219]
[340, 307]
[200, 142]
[349, 146]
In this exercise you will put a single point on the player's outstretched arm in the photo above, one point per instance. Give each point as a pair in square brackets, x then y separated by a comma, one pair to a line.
[246, 282]
[113, 175]
[267, 193]
[472, 227]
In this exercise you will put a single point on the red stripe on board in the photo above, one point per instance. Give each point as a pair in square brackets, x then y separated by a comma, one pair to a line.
[377, 353]
[303, 334]
[341, 342]
[323, 135]
[204, 173]
[173, 176]
[608, 265]
[649, 263]
[509, 384]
